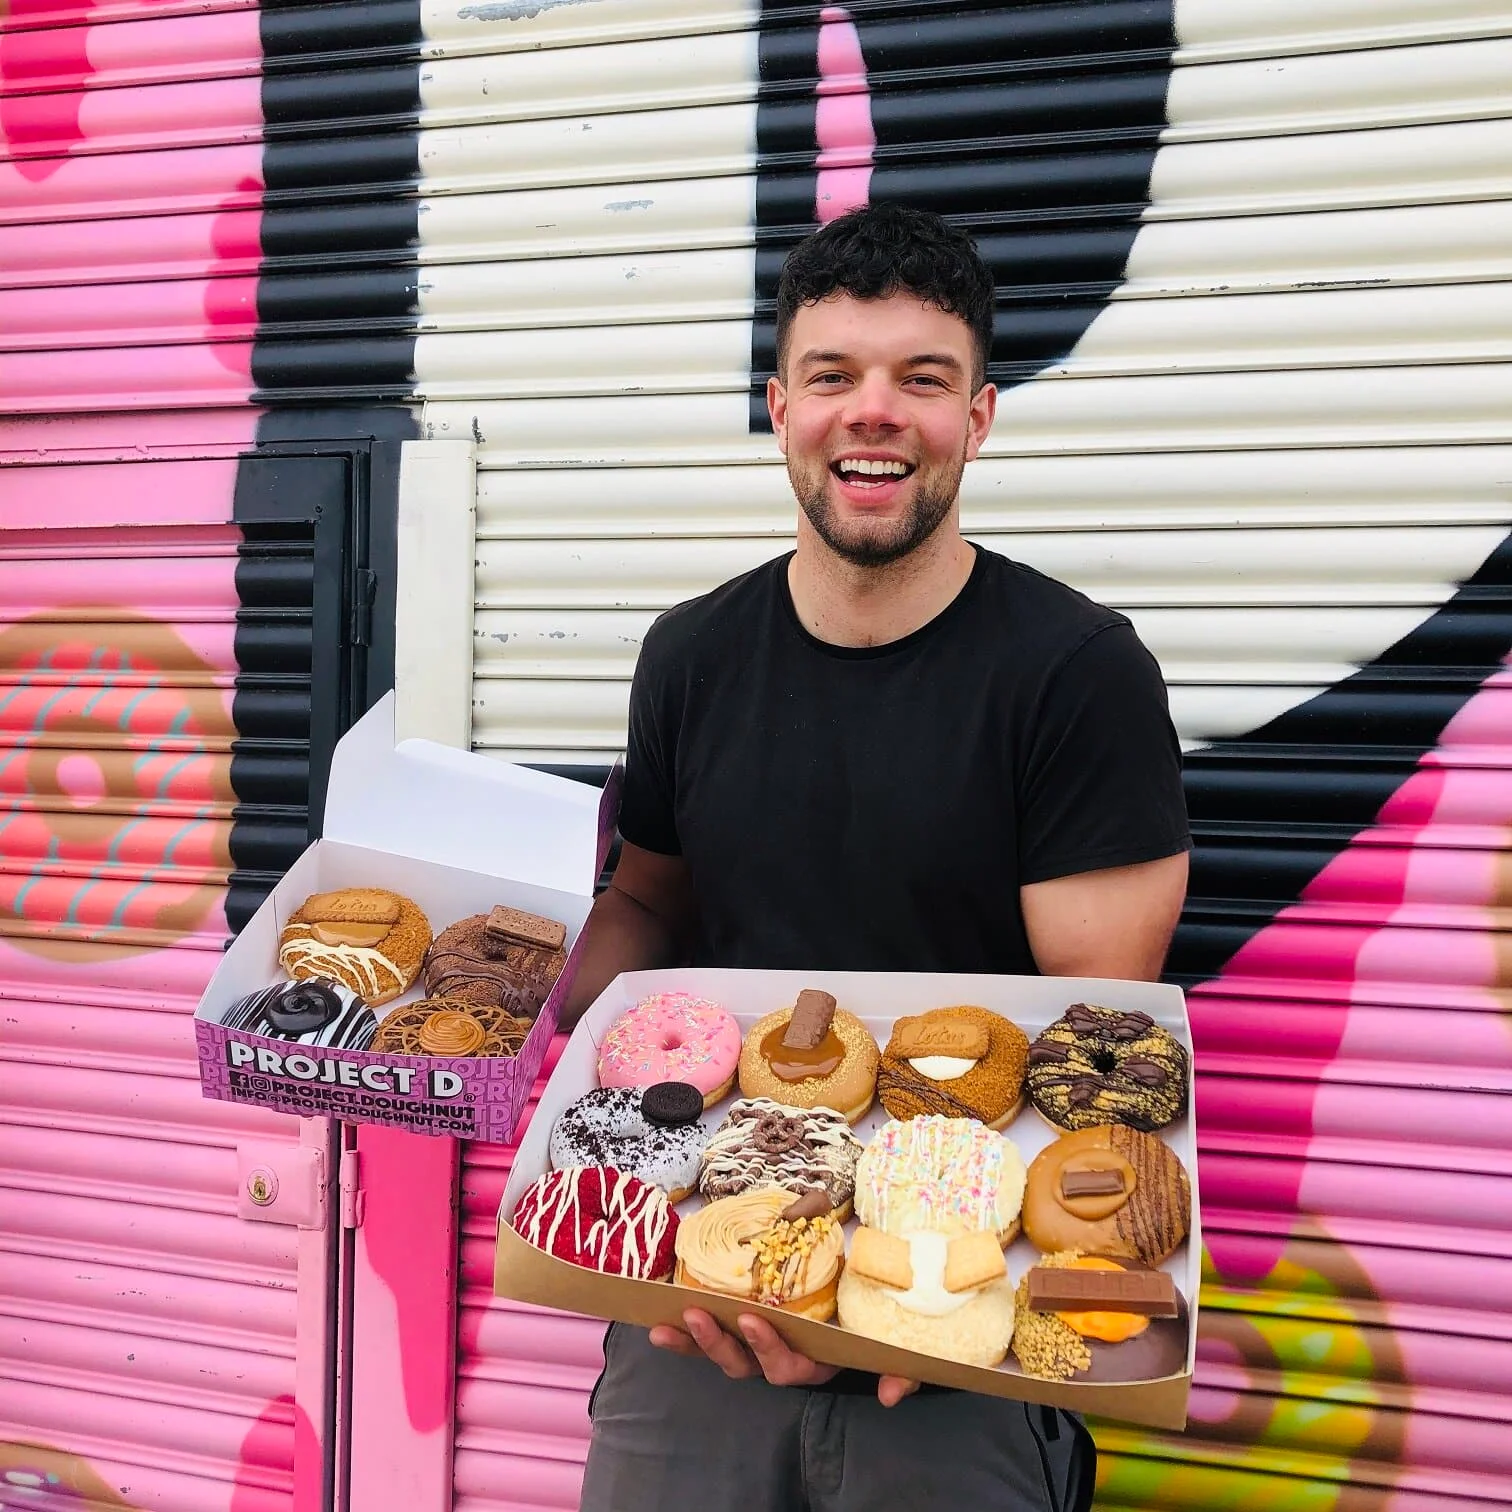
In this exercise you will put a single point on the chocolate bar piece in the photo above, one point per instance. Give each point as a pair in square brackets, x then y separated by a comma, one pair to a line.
[1150, 1293]
[526, 928]
[1091, 1183]
[810, 1021]
[814, 1203]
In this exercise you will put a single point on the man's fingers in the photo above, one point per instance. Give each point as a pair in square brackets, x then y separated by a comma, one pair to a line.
[727, 1352]
[892, 1389]
[674, 1339]
[781, 1365]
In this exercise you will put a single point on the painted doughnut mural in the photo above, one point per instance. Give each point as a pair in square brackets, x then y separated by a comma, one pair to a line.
[1252, 339]
[167, 307]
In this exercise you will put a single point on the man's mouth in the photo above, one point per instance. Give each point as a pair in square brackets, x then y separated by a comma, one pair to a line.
[870, 472]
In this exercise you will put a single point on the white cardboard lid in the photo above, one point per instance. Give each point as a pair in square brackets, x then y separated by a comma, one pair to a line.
[436, 803]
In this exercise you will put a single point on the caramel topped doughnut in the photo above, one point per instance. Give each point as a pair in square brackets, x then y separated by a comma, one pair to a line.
[962, 1062]
[743, 1247]
[1099, 1066]
[838, 1070]
[1113, 1190]
[449, 1027]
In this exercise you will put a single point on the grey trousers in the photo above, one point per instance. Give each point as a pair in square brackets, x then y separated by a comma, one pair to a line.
[671, 1432]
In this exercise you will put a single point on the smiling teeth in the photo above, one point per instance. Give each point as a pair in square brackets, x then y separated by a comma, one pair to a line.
[882, 469]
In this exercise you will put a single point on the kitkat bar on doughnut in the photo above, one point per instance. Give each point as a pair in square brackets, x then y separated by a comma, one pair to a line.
[672, 1036]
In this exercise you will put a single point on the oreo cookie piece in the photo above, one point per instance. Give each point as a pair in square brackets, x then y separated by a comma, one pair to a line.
[308, 1012]
[671, 1103]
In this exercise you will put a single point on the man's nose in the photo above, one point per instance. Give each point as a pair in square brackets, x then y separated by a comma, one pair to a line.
[873, 404]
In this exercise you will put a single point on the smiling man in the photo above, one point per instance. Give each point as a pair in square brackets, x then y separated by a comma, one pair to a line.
[889, 750]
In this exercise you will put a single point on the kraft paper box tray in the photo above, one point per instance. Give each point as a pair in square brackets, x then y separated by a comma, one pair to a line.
[527, 1274]
[458, 833]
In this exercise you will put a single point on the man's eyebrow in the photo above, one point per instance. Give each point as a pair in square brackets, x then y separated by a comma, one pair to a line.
[814, 357]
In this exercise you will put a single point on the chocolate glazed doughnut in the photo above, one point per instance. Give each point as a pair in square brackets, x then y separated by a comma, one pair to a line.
[1099, 1066]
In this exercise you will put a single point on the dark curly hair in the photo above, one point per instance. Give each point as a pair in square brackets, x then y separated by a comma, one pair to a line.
[880, 250]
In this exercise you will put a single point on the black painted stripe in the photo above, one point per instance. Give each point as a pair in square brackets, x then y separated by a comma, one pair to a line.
[1047, 116]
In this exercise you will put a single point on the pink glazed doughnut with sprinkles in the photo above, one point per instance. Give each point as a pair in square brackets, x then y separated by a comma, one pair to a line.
[672, 1036]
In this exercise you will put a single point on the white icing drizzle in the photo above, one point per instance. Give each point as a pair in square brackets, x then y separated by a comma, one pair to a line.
[942, 1068]
[331, 960]
[641, 1218]
[927, 1253]
[827, 1155]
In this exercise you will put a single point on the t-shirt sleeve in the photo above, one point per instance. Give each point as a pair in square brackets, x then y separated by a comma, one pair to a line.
[647, 812]
[1101, 785]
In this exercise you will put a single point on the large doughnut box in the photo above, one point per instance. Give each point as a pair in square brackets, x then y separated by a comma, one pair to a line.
[527, 1274]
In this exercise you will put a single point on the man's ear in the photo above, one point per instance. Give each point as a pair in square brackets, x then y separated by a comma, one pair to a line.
[983, 410]
[777, 409]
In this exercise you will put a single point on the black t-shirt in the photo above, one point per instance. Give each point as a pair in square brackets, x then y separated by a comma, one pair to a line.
[878, 808]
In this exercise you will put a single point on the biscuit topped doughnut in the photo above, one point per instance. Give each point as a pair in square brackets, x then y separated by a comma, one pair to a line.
[962, 1062]
[812, 1055]
[1099, 1066]
[946, 1175]
[505, 959]
[366, 938]
[672, 1036]
[1112, 1190]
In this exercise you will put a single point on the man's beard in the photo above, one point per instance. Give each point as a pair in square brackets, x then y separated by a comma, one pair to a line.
[876, 543]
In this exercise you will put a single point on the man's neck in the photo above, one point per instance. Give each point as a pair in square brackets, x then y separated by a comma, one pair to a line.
[846, 605]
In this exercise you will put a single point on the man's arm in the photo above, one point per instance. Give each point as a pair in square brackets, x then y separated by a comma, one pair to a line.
[641, 921]
[1113, 923]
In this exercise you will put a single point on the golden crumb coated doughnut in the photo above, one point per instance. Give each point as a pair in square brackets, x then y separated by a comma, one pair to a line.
[848, 1088]
[960, 1062]
[367, 939]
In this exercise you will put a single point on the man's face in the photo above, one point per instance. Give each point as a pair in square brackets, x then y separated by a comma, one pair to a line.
[876, 416]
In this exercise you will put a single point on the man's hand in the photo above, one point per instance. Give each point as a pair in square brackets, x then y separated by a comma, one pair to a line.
[762, 1353]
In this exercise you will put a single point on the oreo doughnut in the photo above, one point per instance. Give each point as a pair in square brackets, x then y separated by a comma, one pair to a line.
[308, 1013]
[612, 1126]
[505, 959]
[764, 1143]
[1110, 1190]
[1100, 1066]
[1102, 1346]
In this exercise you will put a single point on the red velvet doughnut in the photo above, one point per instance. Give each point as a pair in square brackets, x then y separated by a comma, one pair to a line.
[595, 1217]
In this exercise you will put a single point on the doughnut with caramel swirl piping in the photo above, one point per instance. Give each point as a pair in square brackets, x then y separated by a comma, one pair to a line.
[449, 1027]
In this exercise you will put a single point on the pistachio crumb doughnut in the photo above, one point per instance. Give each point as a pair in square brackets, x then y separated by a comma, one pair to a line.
[839, 1072]
[960, 1062]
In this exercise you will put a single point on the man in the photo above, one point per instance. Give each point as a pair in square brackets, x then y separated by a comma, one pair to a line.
[888, 751]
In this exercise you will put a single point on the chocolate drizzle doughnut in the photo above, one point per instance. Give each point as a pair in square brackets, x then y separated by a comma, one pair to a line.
[1099, 1066]
[469, 962]
[764, 1143]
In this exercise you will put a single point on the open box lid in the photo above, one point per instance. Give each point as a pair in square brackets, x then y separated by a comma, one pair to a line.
[436, 803]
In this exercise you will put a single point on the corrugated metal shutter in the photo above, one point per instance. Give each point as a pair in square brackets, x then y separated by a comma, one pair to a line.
[185, 232]
[1260, 286]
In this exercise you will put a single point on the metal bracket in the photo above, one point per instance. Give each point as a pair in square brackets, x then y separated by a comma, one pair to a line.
[352, 1198]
